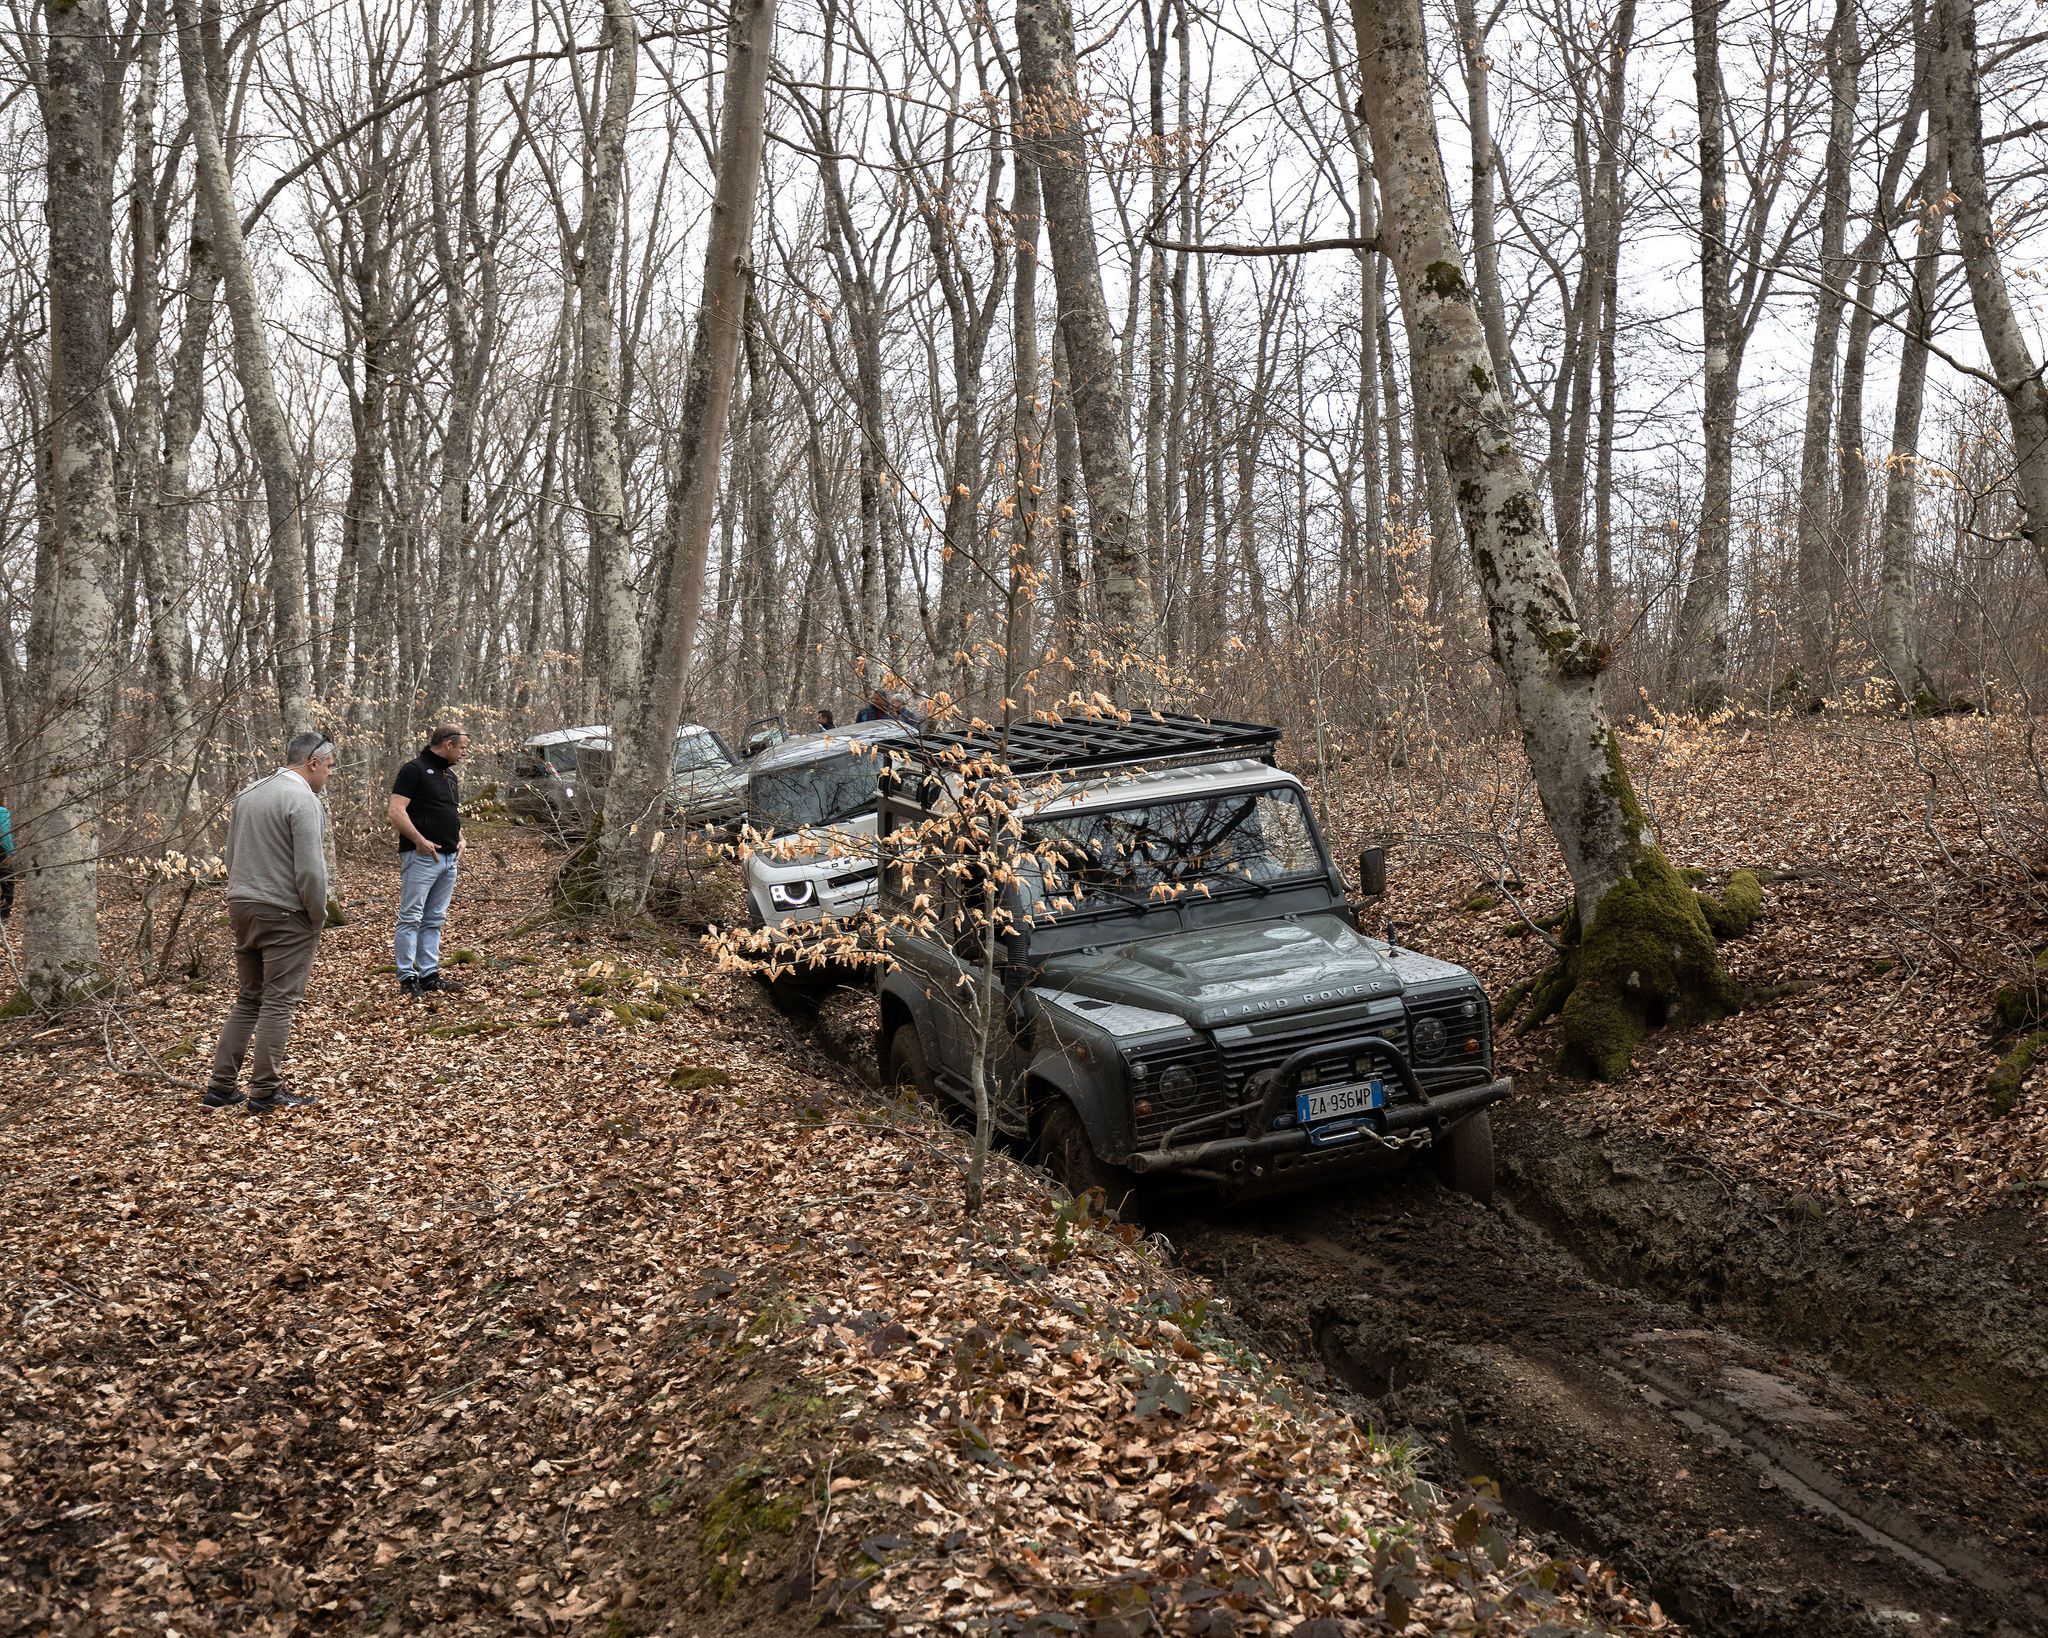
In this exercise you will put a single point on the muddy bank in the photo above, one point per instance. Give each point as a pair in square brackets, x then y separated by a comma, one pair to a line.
[1751, 1489]
[1773, 1423]
[1947, 1314]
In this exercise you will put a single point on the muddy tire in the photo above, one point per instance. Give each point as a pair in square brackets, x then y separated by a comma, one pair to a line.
[908, 1069]
[1463, 1157]
[1070, 1157]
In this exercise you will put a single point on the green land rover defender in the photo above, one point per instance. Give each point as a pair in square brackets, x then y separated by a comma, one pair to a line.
[1170, 988]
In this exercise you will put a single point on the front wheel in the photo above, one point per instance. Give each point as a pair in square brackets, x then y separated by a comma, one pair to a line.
[1070, 1157]
[1463, 1157]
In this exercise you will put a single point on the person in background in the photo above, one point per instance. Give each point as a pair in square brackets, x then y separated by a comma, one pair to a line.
[825, 718]
[277, 906]
[6, 864]
[879, 708]
[425, 810]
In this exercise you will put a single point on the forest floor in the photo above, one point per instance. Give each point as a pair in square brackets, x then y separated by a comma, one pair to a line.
[542, 1321]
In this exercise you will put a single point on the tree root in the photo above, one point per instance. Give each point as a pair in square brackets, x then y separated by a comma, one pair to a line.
[1651, 958]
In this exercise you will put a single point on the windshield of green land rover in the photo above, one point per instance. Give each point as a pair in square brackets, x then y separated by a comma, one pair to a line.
[1236, 841]
[826, 792]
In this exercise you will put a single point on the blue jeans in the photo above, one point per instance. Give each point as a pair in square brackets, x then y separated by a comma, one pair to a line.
[424, 889]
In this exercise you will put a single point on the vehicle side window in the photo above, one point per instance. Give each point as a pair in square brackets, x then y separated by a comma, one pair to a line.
[562, 758]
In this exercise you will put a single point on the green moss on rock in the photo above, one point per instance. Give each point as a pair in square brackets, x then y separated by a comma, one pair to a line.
[697, 1078]
[17, 1005]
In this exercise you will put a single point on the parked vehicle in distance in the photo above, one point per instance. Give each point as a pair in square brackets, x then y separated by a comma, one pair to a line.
[559, 778]
[543, 788]
[813, 798]
[1188, 1000]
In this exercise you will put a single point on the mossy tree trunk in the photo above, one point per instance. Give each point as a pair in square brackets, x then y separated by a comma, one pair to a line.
[1641, 950]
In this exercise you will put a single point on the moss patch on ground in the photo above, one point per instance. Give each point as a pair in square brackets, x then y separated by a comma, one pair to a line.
[2004, 1084]
[733, 1518]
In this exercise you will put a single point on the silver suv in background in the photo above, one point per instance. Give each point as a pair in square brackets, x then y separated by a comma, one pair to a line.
[559, 778]
[813, 800]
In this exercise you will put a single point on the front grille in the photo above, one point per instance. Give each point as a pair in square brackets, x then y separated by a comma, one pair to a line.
[1243, 1060]
[1447, 1062]
[840, 883]
[1209, 1094]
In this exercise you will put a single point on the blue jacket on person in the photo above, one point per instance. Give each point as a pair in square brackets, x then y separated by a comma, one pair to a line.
[6, 832]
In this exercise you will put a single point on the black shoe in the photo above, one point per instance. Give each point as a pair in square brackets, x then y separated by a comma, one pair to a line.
[409, 987]
[434, 984]
[215, 1099]
[279, 1100]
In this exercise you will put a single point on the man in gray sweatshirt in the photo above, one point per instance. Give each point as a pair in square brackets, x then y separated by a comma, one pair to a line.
[277, 905]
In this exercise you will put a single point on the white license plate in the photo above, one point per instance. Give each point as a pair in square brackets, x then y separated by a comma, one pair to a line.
[1331, 1102]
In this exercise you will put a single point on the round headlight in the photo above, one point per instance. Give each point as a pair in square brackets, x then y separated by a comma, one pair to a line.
[1177, 1085]
[1429, 1037]
[1471, 1009]
[791, 895]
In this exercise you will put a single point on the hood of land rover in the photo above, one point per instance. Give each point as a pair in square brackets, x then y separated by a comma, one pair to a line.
[1234, 974]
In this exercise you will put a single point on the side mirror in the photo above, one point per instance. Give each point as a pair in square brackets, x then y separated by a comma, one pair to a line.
[1372, 872]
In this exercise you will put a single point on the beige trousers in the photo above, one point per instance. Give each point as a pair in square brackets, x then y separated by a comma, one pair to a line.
[274, 952]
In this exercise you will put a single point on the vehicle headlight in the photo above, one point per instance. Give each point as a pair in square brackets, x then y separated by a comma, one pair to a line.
[1429, 1037]
[1177, 1085]
[568, 790]
[791, 895]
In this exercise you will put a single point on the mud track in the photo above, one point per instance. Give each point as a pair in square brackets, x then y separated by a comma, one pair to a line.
[1774, 1423]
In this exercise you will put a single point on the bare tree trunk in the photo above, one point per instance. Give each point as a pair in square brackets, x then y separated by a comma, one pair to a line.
[1067, 585]
[1700, 655]
[1643, 941]
[644, 739]
[1607, 190]
[1027, 436]
[71, 658]
[457, 223]
[1485, 242]
[1102, 419]
[1898, 624]
[2005, 338]
[1815, 549]
[1371, 284]
[614, 610]
[276, 457]
[159, 513]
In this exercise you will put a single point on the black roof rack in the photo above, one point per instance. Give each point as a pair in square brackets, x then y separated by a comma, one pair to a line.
[1081, 744]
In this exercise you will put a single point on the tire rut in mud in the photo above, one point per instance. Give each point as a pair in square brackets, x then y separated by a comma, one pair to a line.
[1749, 1490]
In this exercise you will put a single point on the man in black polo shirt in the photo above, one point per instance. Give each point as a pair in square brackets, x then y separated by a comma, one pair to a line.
[425, 811]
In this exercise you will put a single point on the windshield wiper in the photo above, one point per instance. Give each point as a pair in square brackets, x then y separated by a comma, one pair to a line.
[1219, 873]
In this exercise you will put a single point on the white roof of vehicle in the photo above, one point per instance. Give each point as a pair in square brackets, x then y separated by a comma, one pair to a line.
[807, 748]
[596, 731]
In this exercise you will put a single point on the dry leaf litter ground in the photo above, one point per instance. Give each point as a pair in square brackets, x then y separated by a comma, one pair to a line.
[1898, 916]
[512, 1334]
